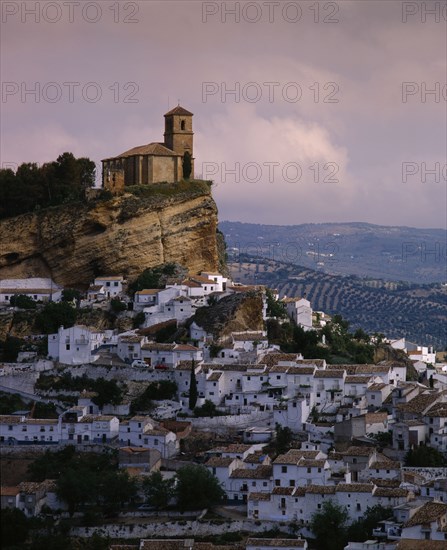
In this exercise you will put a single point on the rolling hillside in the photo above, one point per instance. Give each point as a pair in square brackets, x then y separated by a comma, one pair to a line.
[418, 312]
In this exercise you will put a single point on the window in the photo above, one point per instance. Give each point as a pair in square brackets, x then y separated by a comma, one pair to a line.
[278, 377]
[309, 470]
[277, 482]
[182, 125]
[115, 284]
[67, 347]
[10, 428]
[291, 482]
[155, 441]
[284, 469]
[358, 507]
[319, 506]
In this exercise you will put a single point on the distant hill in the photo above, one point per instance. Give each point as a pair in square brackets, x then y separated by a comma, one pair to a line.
[417, 312]
[369, 251]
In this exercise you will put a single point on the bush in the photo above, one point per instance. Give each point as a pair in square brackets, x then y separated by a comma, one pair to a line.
[23, 302]
[117, 305]
[55, 315]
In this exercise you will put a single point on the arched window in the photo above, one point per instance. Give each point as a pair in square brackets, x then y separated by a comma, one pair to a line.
[182, 125]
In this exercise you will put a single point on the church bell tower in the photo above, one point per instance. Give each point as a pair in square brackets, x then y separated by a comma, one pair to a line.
[178, 131]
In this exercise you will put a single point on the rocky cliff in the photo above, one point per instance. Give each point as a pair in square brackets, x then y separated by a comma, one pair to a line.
[74, 243]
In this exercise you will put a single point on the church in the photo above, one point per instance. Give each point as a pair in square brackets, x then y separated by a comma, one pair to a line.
[170, 161]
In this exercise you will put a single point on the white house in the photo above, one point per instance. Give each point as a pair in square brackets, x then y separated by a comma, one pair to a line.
[75, 345]
[80, 428]
[36, 288]
[22, 430]
[167, 356]
[129, 347]
[300, 311]
[219, 280]
[142, 431]
[113, 285]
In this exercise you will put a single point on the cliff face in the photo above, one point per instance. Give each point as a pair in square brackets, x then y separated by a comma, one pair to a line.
[125, 235]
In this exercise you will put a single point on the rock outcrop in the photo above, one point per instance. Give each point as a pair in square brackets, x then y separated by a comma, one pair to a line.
[124, 235]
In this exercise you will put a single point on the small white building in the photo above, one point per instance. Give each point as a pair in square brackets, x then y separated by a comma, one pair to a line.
[113, 285]
[75, 345]
[300, 311]
[36, 288]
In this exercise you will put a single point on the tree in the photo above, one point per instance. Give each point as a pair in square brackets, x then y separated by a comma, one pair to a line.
[158, 491]
[424, 457]
[187, 165]
[197, 488]
[13, 528]
[207, 409]
[70, 294]
[117, 305]
[75, 487]
[11, 348]
[361, 530]
[115, 489]
[329, 526]
[192, 387]
[55, 315]
[283, 439]
[274, 307]
[22, 301]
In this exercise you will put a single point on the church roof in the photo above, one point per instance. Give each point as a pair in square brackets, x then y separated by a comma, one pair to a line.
[156, 149]
[178, 111]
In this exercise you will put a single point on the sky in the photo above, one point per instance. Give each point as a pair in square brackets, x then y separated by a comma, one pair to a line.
[304, 112]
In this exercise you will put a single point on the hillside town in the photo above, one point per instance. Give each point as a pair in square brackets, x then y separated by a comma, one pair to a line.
[202, 380]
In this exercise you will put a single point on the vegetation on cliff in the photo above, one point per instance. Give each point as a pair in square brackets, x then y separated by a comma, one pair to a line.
[32, 187]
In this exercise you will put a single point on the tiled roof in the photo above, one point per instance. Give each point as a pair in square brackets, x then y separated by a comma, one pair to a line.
[320, 489]
[357, 379]
[355, 487]
[283, 490]
[148, 291]
[419, 403]
[420, 544]
[277, 543]
[430, 511]
[233, 448]
[309, 463]
[438, 410]
[9, 491]
[259, 496]
[294, 455]
[219, 462]
[157, 149]
[179, 110]
[372, 418]
[271, 359]
[391, 465]
[322, 373]
[376, 386]
[158, 347]
[214, 377]
[359, 451]
[261, 472]
[390, 492]
[318, 362]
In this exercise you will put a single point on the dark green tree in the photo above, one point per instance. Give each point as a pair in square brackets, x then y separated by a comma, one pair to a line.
[14, 528]
[424, 457]
[283, 438]
[23, 302]
[197, 488]
[70, 294]
[361, 530]
[192, 387]
[11, 348]
[55, 315]
[187, 165]
[158, 491]
[116, 488]
[329, 525]
[76, 487]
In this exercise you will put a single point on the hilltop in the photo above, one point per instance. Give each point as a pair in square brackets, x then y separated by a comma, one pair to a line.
[145, 227]
[369, 251]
